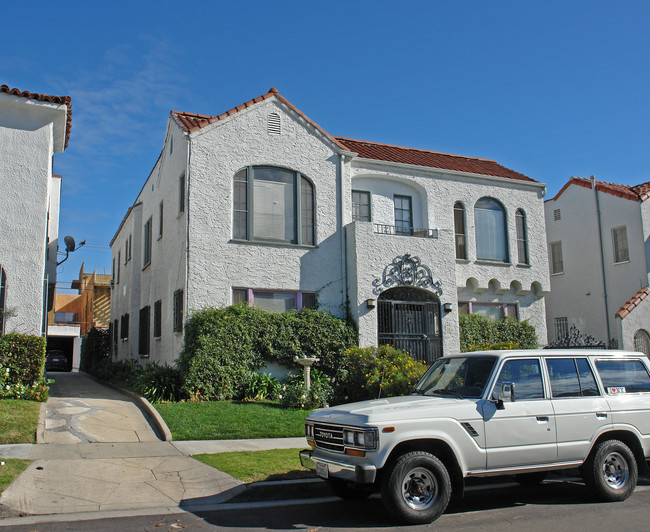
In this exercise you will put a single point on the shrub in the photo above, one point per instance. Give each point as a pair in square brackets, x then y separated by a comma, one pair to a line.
[372, 372]
[223, 346]
[481, 332]
[261, 386]
[157, 383]
[294, 394]
[23, 355]
[95, 349]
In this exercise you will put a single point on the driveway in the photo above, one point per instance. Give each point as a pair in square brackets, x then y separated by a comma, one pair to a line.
[80, 410]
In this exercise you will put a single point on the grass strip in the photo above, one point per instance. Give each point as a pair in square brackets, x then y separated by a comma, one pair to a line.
[18, 421]
[255, 466]
[10, 468]
[227, 420]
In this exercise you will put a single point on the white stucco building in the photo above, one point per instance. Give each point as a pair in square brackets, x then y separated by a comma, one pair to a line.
[260, 204]
[598, 236]
[33, 127]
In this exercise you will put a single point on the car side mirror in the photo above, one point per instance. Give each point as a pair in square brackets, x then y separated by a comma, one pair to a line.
[507, 392]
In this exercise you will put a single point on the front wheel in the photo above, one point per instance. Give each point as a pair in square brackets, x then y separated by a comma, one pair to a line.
[416, 487]
[611, 471]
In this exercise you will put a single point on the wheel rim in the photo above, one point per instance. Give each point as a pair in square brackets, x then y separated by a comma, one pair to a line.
[615, 470]
[419, 488]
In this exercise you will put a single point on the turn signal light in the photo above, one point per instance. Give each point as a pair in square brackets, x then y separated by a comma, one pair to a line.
[354, 452]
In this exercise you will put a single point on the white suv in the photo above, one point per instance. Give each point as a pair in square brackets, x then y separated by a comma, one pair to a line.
[479, 414]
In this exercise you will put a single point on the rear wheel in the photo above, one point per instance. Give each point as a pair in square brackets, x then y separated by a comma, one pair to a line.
[416, 488]
[348, 491]
[611, 471]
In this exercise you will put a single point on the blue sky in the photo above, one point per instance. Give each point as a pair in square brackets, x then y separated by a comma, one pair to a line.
[551, 89]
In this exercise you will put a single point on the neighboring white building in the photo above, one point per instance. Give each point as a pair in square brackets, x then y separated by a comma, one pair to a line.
[598, 237]
[260, 204]
[33, 127]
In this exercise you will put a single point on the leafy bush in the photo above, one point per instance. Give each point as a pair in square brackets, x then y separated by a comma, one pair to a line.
[223, 346]
[23, 355]
[480, 332]
[372, 372]
[293, 394]
[95, 349]
[157, 383]
[9, 389]
[495, 347]
[261, 386]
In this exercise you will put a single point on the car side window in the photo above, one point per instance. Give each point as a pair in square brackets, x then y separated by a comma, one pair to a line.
[564, 377]
[623, 376]
[588, 384]
[526, 376]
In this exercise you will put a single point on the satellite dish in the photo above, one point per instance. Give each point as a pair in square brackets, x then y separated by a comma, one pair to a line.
[69, 243]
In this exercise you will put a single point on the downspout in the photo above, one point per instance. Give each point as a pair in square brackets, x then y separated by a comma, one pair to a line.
[344, 256]
[602, 258]
[187, 230]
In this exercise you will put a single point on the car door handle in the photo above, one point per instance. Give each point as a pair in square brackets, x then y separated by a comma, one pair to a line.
[601, 415]
[542, 419]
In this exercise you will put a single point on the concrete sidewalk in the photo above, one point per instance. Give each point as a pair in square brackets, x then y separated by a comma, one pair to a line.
[103, 456]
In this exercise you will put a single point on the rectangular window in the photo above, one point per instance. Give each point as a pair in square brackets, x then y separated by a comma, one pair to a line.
[561, 327]
[557, 216]
[143, 333]
[130, 240]
[240, 205]
[557, 265]
[621, 253]
[571, 377]
[623, 376]
[459, 230]
[157, 319]
[119, 263]
[147, 244]
[361, 206]
[275, 301]
[160, 225]
[239, 295]
[496, 311]
[403, 215]
[126, 251]
[309, 300]
[124, 327]
[181, 194]
[178, 311]
[113, 271]
[116, 334]
[274, 212]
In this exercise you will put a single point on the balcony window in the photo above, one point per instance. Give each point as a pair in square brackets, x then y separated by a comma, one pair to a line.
[403, 215]
[361, 206]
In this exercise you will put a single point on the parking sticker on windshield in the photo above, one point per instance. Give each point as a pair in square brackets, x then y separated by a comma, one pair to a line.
[615, 390]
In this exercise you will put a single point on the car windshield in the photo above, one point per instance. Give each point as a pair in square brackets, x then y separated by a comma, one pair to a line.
[457, 377]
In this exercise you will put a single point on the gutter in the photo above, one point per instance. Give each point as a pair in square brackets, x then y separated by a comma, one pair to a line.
[344, 257]
[602, 259]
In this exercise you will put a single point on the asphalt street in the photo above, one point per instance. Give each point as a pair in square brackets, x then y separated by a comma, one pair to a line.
[557, 505]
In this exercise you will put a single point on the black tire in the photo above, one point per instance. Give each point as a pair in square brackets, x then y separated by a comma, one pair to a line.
[611, 471]
[348, 491]
[416, 488]
[531, 479]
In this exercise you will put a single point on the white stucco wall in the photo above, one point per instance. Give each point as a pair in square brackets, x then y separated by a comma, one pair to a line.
[28, 191]
[579, 293]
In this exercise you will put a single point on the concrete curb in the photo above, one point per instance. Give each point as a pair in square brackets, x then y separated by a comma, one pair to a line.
[40, 426]
[150, 413]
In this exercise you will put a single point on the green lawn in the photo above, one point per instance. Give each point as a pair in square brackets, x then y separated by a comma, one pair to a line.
[253, 466]
[226, 420]
[10, 470]
[18, 420]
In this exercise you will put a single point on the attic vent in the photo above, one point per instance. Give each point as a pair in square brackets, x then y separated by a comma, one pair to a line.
[556, 215]
[273, 124]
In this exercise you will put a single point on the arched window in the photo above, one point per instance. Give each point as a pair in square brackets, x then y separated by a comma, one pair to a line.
[273, 205]
[642, 342]
[522, 237]
[459, 230]
[490, 222]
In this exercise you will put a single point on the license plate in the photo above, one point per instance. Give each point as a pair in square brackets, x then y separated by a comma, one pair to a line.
[321, 470]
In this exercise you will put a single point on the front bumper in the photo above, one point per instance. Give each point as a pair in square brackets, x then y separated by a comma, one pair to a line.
[359, 474]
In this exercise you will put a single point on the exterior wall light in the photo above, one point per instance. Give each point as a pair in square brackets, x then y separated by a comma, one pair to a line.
[447, 307]
[371, 303]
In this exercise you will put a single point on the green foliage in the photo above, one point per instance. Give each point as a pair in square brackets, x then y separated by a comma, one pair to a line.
[372, 372]
[294, 394]
[157, 383]
[481, 332]
[261, 386]
[494, 347]
[95, 349]
[223, 346]
[23, 356]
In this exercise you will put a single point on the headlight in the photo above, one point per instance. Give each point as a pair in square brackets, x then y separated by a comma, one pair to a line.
[309, 430]
[360, 438]
[348, 437]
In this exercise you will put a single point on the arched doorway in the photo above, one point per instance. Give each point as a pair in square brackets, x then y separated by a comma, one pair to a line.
[409, 319]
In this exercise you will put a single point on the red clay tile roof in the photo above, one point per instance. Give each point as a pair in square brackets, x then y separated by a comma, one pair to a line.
[45, 98]
[192, 121]
[431, 159]
[633, 302]
[636, 193]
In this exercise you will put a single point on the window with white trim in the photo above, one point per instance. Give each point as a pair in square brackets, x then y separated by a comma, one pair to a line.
[495, 311]
[146, 260]
[555, 253]
[157, 319]
[490, 222]
[619, 237]
[459, 230]
[143, 332]
[181, 194]
[361, 206]
[178, 311]
[522, 237]
[275, 300]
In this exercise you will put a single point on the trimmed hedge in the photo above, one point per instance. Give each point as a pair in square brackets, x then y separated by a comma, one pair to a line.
[24, 356]
[222, 346]
[480, 332]
[95, 349]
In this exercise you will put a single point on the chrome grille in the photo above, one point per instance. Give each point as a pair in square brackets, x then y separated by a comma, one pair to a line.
[329, 437]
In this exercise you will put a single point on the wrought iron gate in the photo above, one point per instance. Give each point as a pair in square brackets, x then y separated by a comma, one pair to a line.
[409, 324]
